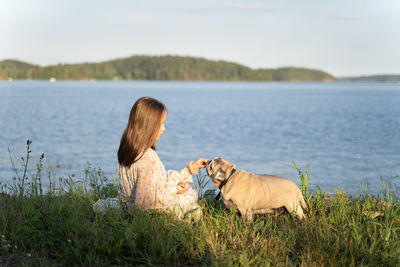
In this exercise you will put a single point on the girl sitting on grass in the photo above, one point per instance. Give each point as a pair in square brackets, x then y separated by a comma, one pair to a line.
[144, 182]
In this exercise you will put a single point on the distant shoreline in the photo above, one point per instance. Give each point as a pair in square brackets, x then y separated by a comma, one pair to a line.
[159, 68]
[372, 78]
[172, 68]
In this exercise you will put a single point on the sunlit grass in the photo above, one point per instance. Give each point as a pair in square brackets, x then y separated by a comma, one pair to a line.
[56, 225]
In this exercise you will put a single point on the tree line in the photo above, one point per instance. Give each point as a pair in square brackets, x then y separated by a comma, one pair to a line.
[158, 68]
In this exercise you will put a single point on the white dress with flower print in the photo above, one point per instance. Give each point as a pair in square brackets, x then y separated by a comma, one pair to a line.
[147, 185]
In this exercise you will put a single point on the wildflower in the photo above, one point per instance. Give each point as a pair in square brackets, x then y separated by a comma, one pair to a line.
[69, 240]
[29, 255]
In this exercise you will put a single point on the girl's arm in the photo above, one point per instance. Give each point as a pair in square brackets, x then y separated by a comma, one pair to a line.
[156, 187]
[179, 176]
[186, 173]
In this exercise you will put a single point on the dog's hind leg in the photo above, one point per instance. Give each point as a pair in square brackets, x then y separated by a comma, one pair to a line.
[246, 214]
[300, 213]
[295, 208]
[303, 202]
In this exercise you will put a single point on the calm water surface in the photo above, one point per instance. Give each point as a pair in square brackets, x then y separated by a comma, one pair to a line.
[344, 131]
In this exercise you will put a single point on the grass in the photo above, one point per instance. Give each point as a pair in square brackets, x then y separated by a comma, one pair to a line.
[57, 226]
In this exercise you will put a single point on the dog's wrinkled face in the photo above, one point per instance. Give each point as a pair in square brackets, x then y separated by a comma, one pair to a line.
[219, 169]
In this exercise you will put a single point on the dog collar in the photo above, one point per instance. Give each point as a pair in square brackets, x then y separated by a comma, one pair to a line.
[227, 180]
[224, 183]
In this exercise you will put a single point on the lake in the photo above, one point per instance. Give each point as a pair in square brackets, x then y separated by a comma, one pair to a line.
[346, 132]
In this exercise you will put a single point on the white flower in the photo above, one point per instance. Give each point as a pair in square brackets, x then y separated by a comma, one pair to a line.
[69, 240]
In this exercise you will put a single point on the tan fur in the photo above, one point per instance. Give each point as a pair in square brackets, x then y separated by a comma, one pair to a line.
[254, 194]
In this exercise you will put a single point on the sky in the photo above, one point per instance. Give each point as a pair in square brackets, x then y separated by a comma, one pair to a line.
[341, 37]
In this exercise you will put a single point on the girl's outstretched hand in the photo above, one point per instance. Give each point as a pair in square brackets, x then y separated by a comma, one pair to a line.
[200, 163]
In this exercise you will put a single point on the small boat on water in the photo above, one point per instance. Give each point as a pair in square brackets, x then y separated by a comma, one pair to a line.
[52, 79]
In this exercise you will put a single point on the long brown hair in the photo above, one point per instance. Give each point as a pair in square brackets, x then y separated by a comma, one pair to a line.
[142, 130]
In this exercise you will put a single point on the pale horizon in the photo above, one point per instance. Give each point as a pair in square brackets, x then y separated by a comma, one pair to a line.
[342, 38]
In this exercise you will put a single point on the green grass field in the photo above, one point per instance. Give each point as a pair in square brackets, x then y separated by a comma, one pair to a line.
[57, 226]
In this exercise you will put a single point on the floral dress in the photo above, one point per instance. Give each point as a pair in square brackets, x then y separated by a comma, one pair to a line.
[147, 185]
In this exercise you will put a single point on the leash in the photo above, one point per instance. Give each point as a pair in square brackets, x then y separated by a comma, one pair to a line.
[224, 183]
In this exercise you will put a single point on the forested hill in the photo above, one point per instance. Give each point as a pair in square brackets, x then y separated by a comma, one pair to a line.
[158, 68]
[372, 78]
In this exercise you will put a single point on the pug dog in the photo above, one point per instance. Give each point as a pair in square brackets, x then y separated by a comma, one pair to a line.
[254, 193]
